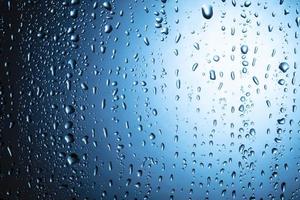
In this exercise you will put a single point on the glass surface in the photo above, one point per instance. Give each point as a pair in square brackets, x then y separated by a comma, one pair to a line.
[149, 99]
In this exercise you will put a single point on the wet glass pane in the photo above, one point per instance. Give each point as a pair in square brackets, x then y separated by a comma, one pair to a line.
[149, 99]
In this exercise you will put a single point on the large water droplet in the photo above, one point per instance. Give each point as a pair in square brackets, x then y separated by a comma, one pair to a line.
[107, 5]
[207, 11]
[69, 109]
[284, 67]
[108, 28]
[72, 158]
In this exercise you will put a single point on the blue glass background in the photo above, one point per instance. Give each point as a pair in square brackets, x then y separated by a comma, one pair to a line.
[146, 125]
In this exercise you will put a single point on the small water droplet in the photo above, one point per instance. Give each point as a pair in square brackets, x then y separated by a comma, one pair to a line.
[212, 74]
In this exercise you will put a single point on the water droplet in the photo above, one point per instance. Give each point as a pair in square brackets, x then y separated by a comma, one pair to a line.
[247, 3]
[152, 136]
[68, 125]
[284, 67]
[212, 74]
[194, 67]
[244, 49]
[146, 41]
[255, 80]
[69, 109]
[108, 28]
[107, 5]
[72, 158]
[207, 11]
[69, 138]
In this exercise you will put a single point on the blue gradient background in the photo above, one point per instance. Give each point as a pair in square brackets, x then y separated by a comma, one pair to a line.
[138, 79]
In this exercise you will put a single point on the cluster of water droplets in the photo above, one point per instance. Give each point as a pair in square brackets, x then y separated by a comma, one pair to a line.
[149, 99]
